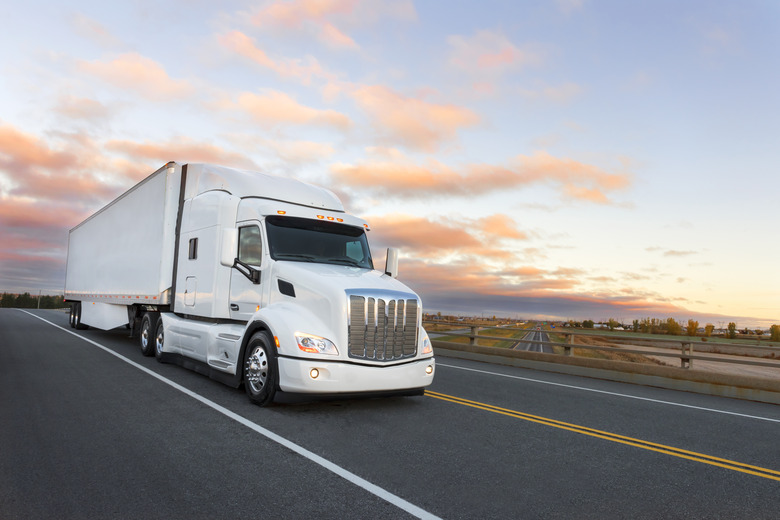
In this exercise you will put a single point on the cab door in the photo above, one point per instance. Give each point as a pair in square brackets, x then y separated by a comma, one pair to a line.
[248, 279]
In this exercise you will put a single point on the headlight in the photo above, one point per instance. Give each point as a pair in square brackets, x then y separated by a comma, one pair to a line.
[315, 344]
[427, 348]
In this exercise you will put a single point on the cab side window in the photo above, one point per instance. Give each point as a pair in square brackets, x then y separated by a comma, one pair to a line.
[250, 246]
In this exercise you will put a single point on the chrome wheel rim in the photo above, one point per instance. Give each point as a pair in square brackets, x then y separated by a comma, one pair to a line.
[256, 370]
[145, 335]
[159, 340]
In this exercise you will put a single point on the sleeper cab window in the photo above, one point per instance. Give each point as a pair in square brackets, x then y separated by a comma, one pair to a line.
[250, 246]
[193, 249]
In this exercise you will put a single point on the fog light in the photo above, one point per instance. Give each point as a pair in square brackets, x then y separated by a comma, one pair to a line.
[429, 369]
[314, 373]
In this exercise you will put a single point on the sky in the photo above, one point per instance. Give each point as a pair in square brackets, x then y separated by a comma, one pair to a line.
[569, 159]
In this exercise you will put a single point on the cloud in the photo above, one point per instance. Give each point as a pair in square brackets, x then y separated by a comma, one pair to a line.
[95, 31]
[272, 108]
[567, 7]
[180, 149]
[409, 121]
[400, 177]
[311, 16]
[304, 71]
[82, 109]
[676, 253]
[144, 76]
[560, 94]
[328, 20]
[491, 53]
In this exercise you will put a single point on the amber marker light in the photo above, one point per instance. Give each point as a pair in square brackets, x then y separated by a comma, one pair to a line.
[281, 212]
[276, 341]
[320, 217]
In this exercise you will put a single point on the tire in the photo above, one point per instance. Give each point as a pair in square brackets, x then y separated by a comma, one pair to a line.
[261, 374]
[72, 317]
[159, 340]
[148, 330]
[77, 319]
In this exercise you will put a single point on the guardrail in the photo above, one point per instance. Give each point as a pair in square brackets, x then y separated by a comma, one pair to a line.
[683, 349]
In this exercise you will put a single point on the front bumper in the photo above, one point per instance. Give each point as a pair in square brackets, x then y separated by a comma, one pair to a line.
[295, 376]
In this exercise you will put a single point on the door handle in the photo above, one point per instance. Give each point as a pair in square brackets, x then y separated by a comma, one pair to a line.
[233, 307]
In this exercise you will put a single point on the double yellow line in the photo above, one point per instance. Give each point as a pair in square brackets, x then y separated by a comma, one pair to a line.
[622, 439]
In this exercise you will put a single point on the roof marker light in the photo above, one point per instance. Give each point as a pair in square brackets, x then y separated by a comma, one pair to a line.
[331, 218]
[340, 219]
[320, 216]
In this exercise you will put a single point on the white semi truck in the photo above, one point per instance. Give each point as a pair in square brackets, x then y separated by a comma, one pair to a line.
[252, 279]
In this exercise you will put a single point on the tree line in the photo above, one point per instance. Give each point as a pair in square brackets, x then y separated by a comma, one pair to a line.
[674, 328]
[28, 301]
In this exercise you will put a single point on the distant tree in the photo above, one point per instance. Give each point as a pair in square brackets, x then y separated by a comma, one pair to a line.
[774, 333]
[587, 324]
[672, 327]
[613, 324]
[732, 330]
[692, 327]
[759, 333]
[635, 325]
[708, 329]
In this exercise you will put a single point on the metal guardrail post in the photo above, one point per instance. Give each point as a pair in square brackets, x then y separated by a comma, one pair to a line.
[686, 351]
[473, 338]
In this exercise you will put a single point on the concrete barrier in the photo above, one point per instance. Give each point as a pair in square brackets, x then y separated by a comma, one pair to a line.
[688, 380]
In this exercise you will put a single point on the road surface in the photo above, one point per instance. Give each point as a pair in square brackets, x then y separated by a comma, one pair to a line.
[92, 429]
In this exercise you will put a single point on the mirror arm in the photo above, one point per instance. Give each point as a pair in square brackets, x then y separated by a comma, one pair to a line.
[247, 270]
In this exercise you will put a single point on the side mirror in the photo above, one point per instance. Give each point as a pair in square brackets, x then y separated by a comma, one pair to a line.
[229, 247]
[391, 264]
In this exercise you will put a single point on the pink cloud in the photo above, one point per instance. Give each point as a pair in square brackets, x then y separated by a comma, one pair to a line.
[401, 178]
[410, 121]
[272, 108]
[137, 73]
[490, 52]
[179, 149]
[304, 71]
[329, 20]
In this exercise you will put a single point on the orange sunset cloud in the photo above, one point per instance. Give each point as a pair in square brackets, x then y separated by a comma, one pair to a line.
[401, 178]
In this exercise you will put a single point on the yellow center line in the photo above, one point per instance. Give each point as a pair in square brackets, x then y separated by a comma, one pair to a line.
[613, 437]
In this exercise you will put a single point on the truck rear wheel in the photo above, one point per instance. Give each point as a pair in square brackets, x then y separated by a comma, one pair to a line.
[147, 335]
[260, 369]
[72, 317]
[77, 319]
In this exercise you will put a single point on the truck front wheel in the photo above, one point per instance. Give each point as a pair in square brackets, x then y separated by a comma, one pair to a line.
[260, 372]
[147, 336]
[159, 340]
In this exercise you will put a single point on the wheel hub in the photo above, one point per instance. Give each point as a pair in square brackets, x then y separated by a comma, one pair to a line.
[256, 369]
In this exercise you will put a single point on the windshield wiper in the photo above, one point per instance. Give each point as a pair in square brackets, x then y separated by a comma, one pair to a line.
[344, 260]
[292, 256]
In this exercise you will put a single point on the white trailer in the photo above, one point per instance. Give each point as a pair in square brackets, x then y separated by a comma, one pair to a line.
[252, 279]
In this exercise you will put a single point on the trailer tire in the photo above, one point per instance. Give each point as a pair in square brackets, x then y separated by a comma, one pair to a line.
[77, 319]
[159, 340]
[72, 317]
[148, 333]
[261, 373]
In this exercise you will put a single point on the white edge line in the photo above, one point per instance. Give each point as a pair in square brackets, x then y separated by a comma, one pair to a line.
[325, 463]
[438, 364]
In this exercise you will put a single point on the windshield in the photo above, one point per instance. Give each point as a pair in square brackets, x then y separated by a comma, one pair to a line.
[307, 240]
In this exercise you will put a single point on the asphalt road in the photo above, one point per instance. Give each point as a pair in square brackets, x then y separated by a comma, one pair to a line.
[534, 335]
[91, 429]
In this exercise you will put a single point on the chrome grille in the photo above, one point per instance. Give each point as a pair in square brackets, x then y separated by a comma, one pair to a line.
[382, 327]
